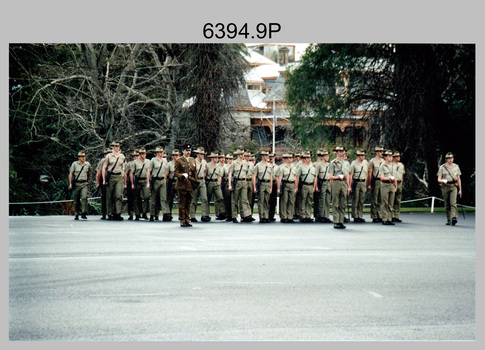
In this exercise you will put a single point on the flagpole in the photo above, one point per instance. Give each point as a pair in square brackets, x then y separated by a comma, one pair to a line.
[274, 126]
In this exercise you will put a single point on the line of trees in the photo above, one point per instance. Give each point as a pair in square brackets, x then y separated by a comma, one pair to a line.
[418, 98]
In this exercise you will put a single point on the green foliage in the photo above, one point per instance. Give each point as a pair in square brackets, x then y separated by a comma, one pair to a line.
[417, 98]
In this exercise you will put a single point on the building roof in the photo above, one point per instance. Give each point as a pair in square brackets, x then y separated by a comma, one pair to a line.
[255, 59]
[278, 91]
[257, 99]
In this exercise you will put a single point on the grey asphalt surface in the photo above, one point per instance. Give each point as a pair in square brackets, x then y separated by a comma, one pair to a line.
[141, 281]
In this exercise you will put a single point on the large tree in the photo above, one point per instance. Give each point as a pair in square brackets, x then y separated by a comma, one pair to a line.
[419, 99]
[213, 75]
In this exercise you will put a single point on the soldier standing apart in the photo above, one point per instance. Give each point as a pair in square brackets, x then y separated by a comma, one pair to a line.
[374, 184]
[358, 171]
[262, 184]
[113, 177]
[201, 191]
[186, 175]
[213, 183]
[449, 178]
[286, 175]
[339, 174]
[225, 187]
[323, 193]
[138, 177]
[78, 182]
[130, 193]
[388, 188]
[171, 191]
[306, 175]
[157, 173]
[99, 184]
[238, 186]
[399, 173]
[273, 197]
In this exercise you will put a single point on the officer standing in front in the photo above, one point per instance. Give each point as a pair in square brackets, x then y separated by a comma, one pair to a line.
[449, 178]
[113, 170]
[186, 175]
[78, 183]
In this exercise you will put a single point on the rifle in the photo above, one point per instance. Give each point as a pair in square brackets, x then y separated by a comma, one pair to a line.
[207, 180]
[283, 182]
[234, 179]
[320, 181]
[108, 173]
[135, 177]
[300, 184]
[73, 182]
[258, 180]
[354, 183]
[152, 178]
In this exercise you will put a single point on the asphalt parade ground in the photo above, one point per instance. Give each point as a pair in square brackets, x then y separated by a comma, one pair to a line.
[95, 280]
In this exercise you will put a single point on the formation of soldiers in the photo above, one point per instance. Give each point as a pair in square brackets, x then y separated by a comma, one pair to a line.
[236, 180]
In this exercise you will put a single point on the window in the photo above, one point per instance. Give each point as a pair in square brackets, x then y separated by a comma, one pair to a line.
[253, 87]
